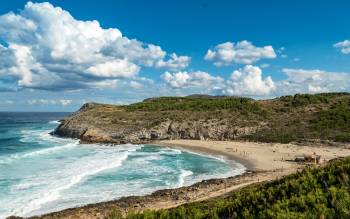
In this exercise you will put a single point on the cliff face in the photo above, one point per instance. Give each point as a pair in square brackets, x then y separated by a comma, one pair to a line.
[93, 130]
[216, 118]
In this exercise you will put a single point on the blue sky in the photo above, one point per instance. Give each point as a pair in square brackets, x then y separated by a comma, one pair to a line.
[54, 59]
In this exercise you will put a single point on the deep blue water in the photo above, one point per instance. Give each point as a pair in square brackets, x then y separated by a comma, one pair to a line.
[40, 173]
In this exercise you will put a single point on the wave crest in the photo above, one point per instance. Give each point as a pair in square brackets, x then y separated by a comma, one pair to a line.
[183, 175]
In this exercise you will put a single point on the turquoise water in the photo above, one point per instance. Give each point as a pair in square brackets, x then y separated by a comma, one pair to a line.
[40, 173]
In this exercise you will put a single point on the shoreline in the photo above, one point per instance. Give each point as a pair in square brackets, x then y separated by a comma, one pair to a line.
[248, 164]
[261, 160]
[259, 156]
[162, 199]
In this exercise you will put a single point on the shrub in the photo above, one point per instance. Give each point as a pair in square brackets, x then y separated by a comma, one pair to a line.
[313, 193]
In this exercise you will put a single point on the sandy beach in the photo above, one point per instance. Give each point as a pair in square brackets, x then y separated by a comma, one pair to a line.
[260, 156]
[275, 160]
[264, 162]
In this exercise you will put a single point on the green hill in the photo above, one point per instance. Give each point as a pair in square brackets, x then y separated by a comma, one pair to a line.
[302, 117]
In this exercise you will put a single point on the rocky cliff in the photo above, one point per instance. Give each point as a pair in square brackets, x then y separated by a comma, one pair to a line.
[284, 119]
[122, 130]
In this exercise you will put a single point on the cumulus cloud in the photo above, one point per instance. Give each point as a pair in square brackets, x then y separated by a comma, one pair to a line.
[44, 47]
[136, 85]
[63, 102]
[248, 81]
[108, 83]
[113, 69]
[191, 79]
[175, 62]
[343, 46]
[313, 81]
[243, 52]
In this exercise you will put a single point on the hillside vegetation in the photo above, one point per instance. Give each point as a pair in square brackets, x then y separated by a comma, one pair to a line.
[289, 118]
[313, 193]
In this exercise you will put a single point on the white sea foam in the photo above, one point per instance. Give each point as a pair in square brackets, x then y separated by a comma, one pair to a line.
[41, 137]
[28, 135]
[54, 122]
[183, 175]
[42, 151]
[123, 147]
[50, 150]
[237, 170]
[70, 174]
[216, 157]
[170, 151]
[157, 154]
[79, 172]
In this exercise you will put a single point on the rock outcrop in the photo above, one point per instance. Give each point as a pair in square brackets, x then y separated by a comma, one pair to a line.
[90, 129]
[297, 118]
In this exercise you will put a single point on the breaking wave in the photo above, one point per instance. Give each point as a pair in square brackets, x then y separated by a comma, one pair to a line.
[52, 173]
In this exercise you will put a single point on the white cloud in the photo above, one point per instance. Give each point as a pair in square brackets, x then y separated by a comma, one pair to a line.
[41, 101]
[315, 89]
[174, 63]
[46, 48]
[176, 80]
[104, 84]
[248, 81]
[145, 80]
[265, 65]
[136, 85]
[243, 52]
[313, 81]
[344, 46]
[191, 79]
[63, 102]
[134, 50]
[114, 69]
[281, 52]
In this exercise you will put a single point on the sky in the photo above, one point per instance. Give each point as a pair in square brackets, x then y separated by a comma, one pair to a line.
[58, 55]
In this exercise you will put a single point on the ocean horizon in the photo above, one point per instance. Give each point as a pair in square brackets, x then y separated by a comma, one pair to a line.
[41, 173]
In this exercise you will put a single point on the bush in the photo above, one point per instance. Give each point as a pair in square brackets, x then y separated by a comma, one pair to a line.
[194, 104]
[334, 123]
[305, 99]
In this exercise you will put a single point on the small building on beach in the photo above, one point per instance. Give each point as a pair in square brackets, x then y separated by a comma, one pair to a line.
[314, 158]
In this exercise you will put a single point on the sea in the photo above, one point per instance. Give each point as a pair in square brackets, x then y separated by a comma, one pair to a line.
[42, 173]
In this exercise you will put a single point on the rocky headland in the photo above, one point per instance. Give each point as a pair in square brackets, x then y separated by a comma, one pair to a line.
[321, 118]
